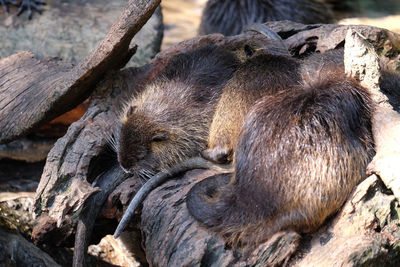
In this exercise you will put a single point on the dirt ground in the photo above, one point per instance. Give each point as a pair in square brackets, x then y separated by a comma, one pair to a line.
[182, 17]
[181, 20]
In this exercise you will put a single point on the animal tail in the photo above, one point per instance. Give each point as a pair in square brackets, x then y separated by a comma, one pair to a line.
[209, 199]
[212, 202]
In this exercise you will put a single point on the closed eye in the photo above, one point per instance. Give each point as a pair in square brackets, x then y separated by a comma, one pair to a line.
[161, 136]
[158, 139]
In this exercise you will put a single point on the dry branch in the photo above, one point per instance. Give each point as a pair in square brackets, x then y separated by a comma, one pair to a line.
[107, 182]
[35, 91]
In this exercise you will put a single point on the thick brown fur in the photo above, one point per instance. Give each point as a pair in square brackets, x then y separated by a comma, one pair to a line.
[259, 76]
[169, 122]
[300, 154]
[231, 17]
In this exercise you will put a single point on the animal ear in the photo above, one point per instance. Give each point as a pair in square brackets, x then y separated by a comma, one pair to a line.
[248, 50]
[160, 136]
[130, 110]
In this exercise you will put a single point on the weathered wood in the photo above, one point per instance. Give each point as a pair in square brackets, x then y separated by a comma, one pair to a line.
[362, 63]
[173, 238]
[364, 233]
[170, 235]
[107, 182]
[16, 251]
[33, 91]
[64, 185]
[302, 39]
[22, 78]
[160, 178]
[118, 252]
[27, 149]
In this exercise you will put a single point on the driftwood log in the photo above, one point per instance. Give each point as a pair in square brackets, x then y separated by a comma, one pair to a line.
[16, 251]
[365, 231]
[54, 88]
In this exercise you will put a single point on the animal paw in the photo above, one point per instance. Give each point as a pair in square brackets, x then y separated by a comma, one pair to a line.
[218, 155]
[30, 5]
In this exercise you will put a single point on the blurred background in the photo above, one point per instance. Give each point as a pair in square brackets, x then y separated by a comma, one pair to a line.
[182, 17]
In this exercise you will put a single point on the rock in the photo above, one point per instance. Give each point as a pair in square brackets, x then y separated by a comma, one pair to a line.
[148, 39]
[16, 211]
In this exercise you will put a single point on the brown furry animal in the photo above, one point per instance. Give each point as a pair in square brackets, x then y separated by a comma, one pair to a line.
[231, 17]
[169, 121]
[261, 75]
[300, 154]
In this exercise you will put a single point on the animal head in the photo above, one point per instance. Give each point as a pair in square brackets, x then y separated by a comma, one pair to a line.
[140, 142]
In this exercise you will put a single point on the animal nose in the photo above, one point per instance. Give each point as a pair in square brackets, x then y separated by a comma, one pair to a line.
[124, 166]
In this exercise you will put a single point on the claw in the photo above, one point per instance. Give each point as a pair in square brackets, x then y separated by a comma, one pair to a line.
[30, 5]
[217, 155]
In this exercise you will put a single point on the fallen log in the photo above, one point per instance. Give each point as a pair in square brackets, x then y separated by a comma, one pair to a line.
[364, 232]
[16, 251]
[169, 233]
[51, 87]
